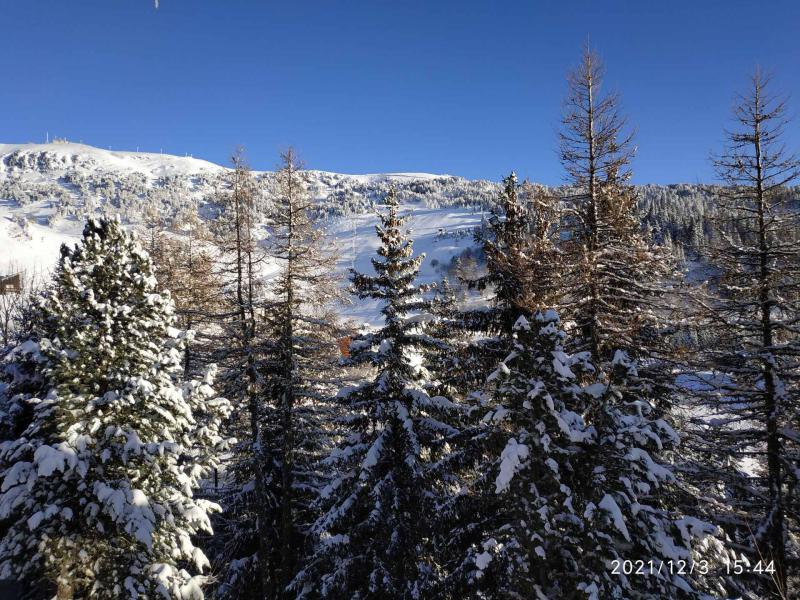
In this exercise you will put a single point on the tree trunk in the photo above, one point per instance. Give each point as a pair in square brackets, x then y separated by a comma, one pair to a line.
[776, 512]
[65, 587]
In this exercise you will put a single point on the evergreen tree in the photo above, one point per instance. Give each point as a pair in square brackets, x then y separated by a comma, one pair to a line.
[522, 276]
[566, 479]
[21, 366]
[98, 490]
[634, 508]
[373, 534]
[521, 254]
[517, 522]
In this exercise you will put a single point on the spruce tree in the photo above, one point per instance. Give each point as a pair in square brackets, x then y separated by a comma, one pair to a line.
[98, 491]
[21, 380]
[516, 532]
[634, 507]
[565, 477]
[373, 536]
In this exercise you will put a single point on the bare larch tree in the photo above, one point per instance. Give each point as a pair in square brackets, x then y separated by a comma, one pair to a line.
[754, 319]
[613, 269]
[300, 366]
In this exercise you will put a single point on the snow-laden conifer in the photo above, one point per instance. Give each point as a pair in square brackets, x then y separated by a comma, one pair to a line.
[522, 275]
[373, 534]
[633, 507]
[566, 478]
[98, 491]
[518, 523]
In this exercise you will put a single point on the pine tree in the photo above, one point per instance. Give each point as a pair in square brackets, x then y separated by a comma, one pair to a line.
[752, 319]
[299, 368]
[614, 269]
[98, 490]
[521, 254]
[373, 535]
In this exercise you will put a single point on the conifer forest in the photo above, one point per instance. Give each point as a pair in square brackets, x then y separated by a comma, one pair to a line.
[593, 393]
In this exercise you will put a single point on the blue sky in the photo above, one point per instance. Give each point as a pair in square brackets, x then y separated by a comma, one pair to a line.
[469, 88]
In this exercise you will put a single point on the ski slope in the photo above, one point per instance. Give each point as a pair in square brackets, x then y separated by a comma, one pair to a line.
[441, 234]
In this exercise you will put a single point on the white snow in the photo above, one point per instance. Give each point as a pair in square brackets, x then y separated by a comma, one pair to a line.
[374, 452]
[54, 458]
[62, 156]
[560, 361]
[482, 560]
[609, 505]
[510, 461]
[655, 472]
[522, 324]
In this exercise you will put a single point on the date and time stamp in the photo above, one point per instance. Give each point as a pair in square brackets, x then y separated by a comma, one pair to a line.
[684, 567]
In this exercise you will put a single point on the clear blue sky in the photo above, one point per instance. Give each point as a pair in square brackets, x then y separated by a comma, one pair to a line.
[469, 88]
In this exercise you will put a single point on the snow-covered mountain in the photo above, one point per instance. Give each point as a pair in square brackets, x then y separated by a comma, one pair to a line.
[46, 183]
[47, 191]
[56, 159]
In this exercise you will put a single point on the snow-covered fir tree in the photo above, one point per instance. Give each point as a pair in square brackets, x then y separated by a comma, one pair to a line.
[513, 534]
[373, 536]
[98, 490]
[565, 479]
[520, 251]
[21, 380]
[634, 508]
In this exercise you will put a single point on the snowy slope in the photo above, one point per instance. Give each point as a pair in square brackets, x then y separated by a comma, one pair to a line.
[33, 247]
[46, 190]
[440, 234]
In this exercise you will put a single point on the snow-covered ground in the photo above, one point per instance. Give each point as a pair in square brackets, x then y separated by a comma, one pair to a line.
[43, 162]
[27, 242]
